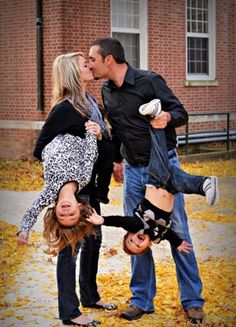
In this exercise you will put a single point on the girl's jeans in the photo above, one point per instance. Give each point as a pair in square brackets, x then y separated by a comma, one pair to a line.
[143, 280]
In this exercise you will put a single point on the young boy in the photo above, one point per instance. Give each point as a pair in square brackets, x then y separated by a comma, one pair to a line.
[151, 220]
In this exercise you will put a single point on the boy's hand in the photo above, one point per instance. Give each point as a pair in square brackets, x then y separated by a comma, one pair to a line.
[22, 238]
[184, 247]
[95, 219]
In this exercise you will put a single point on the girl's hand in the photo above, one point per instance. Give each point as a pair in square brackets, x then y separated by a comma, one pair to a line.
[95, 219]
[22, 238]
[184, 247]
[94, 128]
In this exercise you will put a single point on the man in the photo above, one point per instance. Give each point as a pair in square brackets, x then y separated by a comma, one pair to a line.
[124, 92]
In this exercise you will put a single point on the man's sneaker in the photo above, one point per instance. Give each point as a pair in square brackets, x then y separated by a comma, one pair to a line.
[152, 108]
[210, 188]
[195, 315]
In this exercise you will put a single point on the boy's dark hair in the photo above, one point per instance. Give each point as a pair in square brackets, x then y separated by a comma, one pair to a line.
[111, 46]
[126, 250]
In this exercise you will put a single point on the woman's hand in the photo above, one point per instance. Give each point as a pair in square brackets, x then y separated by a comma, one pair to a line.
[184, 247]
[22, 238]
[94, 128]
[95, 219]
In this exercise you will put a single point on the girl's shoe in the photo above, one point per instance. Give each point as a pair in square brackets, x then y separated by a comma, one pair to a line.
[152, 108]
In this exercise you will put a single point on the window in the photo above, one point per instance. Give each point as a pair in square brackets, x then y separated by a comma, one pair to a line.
[129, 25]
[200, 25]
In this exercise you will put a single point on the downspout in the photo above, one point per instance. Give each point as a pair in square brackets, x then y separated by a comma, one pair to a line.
[39, 50]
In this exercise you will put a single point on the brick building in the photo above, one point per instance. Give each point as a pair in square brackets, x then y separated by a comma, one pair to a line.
[191, 43]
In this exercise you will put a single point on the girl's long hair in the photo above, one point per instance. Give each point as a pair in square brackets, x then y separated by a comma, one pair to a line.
[67, 81]
[59, 236]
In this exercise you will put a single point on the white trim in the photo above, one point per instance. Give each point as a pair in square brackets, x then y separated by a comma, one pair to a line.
[142, 31]
[21, 124]
[143, 34]
[37, 125]
[205, 118]
[212, 45]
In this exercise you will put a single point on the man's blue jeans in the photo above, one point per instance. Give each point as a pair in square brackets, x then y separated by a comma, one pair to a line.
[143, 280]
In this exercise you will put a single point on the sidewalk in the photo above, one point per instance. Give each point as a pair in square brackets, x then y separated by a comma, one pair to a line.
[36, 285]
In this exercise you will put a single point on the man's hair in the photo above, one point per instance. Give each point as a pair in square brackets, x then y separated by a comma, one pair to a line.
[111, 46]
[126, 250]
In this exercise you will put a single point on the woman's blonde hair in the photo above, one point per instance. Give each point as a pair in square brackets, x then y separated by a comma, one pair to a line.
[59, 236]
[67, 81]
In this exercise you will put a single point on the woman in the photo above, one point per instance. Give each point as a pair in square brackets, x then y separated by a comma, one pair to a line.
[74, 112]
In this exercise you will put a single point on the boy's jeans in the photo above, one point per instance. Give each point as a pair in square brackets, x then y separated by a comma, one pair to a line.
[143, 280]
[167, 175]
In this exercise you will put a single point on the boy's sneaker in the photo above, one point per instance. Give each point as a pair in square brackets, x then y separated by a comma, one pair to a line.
[210, 188]
[152, 108]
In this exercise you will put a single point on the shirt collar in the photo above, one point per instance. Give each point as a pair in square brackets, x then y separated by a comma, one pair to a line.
[129, 78]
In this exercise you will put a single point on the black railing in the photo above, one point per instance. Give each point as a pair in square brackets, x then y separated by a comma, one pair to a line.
[207, 136]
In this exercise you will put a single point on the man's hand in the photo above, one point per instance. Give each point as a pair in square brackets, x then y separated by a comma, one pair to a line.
[95, 219]
[184, 247]
[161, 120]
[118, 172]
[22, 238]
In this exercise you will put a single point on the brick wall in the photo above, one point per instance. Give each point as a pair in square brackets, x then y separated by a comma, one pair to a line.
[71, 25]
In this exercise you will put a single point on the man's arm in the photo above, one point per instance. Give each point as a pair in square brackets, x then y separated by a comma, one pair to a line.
[173, 111]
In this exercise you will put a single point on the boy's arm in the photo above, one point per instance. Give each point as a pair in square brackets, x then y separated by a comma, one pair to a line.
[172, 237]
[130, 224]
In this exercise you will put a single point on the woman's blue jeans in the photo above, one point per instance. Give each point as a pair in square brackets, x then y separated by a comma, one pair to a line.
[143, 279]
[68, 301]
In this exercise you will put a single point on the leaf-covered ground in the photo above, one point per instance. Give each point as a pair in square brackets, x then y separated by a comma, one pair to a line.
[26, 175]
[28, 295]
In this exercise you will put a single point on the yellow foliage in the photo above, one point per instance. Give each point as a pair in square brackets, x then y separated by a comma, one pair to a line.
[12, 257]
[217, 273]
[220, 168]
[21, 175]
[26, 175]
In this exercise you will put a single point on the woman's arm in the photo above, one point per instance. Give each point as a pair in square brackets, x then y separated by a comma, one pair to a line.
[61, 120]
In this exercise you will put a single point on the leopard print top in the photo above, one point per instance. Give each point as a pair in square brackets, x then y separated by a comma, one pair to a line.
[65, 159]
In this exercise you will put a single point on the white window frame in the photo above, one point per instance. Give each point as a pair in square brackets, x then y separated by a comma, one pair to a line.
[211, 76]
[142, 31]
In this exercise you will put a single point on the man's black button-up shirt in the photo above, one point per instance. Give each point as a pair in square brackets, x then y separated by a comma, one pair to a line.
[128, 125]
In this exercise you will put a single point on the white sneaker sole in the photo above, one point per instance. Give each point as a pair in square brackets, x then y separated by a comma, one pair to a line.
[213, 197]
[152, 108]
